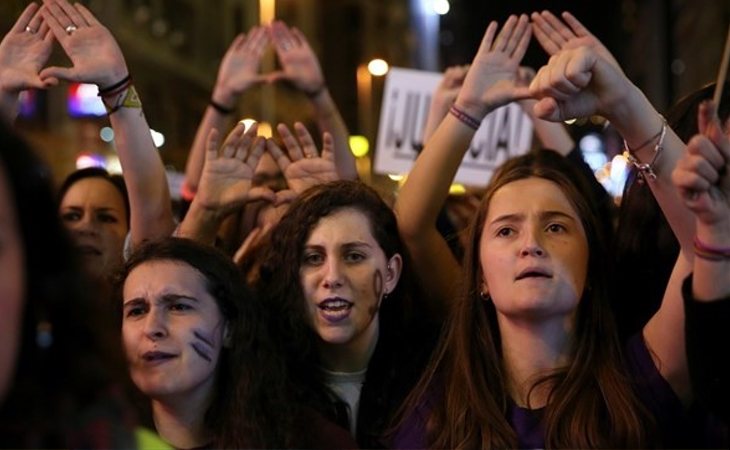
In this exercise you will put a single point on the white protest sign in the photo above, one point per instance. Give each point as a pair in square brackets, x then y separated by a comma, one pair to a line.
[504, 133]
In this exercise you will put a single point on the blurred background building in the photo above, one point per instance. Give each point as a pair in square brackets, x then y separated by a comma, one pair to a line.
[173, 47]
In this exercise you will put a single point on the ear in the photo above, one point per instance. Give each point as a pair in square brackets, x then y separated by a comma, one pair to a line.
[227, 336]
[392, 273]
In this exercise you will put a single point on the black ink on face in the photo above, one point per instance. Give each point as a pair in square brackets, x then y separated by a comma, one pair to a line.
[378, 288]
[201, 352]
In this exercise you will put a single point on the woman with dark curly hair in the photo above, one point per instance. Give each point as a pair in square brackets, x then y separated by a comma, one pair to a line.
[336, 272]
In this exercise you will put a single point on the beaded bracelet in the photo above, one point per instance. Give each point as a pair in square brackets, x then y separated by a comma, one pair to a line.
[647, 169]
[705, 251]
[465, 118]
[220, 108]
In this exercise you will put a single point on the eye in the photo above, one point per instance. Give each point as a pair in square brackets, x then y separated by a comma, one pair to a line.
[135, 311]
[505, 232]
[108, 218]
[354, 257]
[556, 228]
[70, 216]
[180, 307]
[313, 259]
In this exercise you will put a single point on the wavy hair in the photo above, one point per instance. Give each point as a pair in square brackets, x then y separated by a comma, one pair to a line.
[249, 406]
[591, 402]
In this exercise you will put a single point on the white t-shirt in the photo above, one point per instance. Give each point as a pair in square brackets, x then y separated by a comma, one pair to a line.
[347, 386]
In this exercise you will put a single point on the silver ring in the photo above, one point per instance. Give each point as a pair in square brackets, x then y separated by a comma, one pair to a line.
[70, 29]
[30, 30]
[285, 46]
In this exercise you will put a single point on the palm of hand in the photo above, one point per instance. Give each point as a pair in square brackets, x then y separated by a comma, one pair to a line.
[491, 80]
[239, 71]
[302, 70]
[22, 55]
[225, 183]
[93, 51]
[308, 172]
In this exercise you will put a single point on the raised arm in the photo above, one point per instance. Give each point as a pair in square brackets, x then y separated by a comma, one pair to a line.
[489, 84]
[23, 53]
[579, 82]
[238, 72]
[702, 176]
[97, 59]
[443, 97]
[301, 68]
[225, 184]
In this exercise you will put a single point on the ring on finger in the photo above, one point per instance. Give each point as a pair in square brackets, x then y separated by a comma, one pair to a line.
[70, 29]
[30, 30]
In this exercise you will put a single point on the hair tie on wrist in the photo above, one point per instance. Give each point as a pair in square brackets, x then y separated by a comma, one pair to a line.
[220, 108]
[710, 253]
[465, 118]
[114, 87]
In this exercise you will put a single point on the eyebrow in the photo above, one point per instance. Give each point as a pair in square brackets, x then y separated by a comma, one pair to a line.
[543, 215]
[166, 298]
[99, 209]
[346, 245]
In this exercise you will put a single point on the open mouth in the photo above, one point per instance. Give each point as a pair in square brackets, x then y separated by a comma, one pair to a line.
[335, 309]
[533, 273]
[155, 357]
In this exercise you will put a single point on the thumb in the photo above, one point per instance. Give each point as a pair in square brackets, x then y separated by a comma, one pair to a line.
[63, 73]
[273, 77]
[261, 193]
[547, 109]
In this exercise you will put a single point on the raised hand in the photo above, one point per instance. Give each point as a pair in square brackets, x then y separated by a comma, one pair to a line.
[303, 166]
[94, 53]
[555, 35]
[702, 175]
[225, 184]
[443, 97]
[490, 80]
[24, 51]
[300, 65]
[239, 69]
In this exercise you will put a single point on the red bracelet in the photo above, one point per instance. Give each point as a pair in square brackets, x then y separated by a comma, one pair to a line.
[705, 251]
[465, 118]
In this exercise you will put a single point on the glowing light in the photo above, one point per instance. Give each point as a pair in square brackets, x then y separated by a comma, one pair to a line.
[359, 146]
[247, 123]
[113, 165]
[457, 189]
[265, 130]
[85, 160]
[570, 121]
[158, 138]
[441, 7]
[396, 177]
[106, 134]
[378, 67]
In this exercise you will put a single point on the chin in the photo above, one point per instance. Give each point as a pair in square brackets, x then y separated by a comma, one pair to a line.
[335, 338]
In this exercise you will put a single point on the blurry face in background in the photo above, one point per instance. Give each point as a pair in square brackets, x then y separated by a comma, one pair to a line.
[12, 284]
[93, 210]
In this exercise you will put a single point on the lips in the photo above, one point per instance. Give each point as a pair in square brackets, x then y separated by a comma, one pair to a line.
[88, 250]
[534, 272]
[157, 357]
[334, 309]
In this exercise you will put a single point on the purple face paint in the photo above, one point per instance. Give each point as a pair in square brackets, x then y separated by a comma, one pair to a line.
[203, 344]
[378, 288]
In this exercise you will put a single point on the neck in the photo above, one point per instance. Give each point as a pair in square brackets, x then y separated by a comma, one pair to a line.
[181, 421]
[530, 350]
[353, 356]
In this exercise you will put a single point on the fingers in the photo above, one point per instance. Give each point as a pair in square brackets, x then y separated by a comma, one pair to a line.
[328, 146]
[257, 150]
[309, 149]
[520, 38]
[29, 20]
[282, 160]
[548, 37]
[243, 144]
[283, 39]
[290, 142]
[575, 25]
[232, 140]
[211, 145]
[709, 124]
[500, 44]
[63, 73]
[562, 33]
[87, 15]
[486, 45]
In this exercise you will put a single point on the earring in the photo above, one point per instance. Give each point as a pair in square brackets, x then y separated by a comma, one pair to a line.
[484, 295]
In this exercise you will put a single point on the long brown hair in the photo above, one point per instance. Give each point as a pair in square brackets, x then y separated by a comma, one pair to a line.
[591, 402]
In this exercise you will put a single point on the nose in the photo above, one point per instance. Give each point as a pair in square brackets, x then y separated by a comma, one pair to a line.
[333, 274]
[532, 245]
[85, 226]
[155, 326]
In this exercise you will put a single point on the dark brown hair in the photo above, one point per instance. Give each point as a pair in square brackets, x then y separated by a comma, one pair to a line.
[591, 402]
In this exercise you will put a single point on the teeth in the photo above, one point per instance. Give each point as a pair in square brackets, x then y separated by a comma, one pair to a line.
[335, 305]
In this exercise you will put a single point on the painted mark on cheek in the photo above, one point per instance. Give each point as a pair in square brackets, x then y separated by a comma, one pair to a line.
[378, 288]
[203, 345]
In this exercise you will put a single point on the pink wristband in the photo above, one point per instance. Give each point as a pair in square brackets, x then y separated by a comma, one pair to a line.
[705, 251]
[465, 118]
